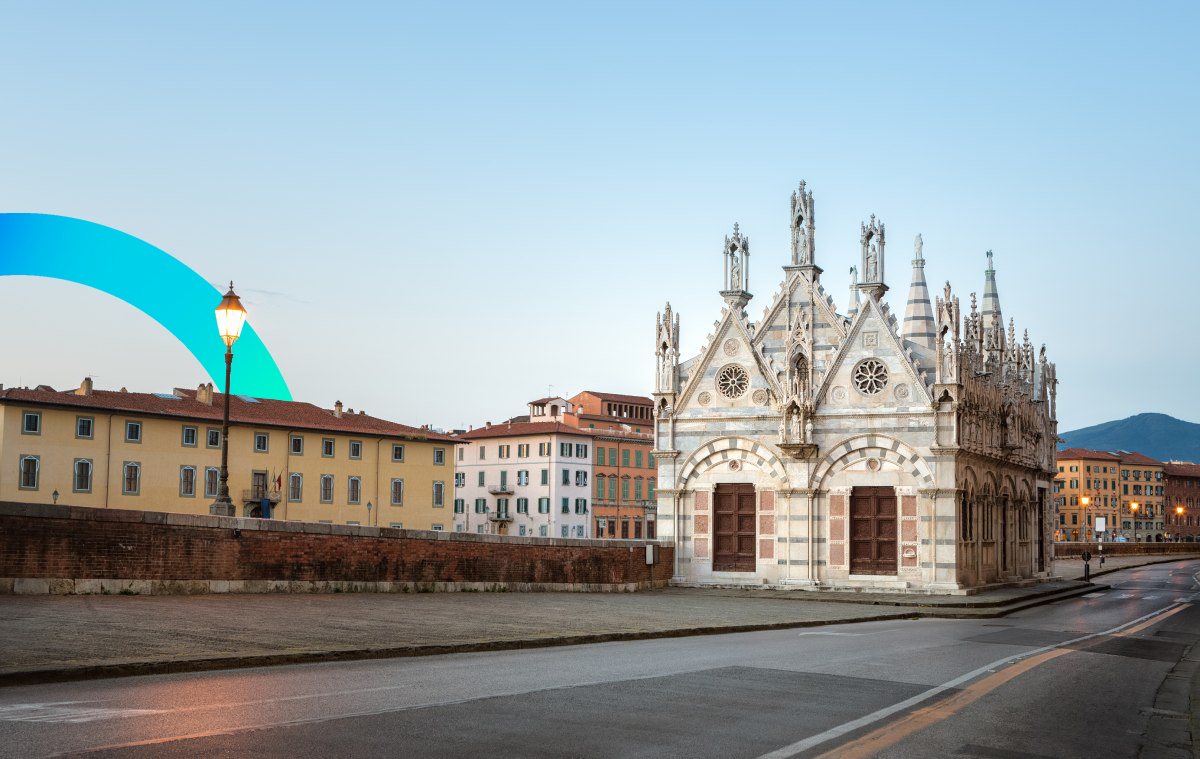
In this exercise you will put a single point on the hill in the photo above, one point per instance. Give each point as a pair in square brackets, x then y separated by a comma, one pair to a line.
[1156, 435]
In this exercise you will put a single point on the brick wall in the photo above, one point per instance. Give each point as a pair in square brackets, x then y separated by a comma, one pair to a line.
[1074, 550]
[158, 552]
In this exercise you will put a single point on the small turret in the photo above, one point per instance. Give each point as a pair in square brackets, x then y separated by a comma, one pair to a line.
[918, 316]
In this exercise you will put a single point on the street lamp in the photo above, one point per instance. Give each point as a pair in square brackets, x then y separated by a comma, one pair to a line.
[369, 507]
[1133, 508]
[230, 319]
[1087, 530]
[1178, 521]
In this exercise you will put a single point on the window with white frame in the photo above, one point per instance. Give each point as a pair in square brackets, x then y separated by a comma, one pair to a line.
[482, 453]
[84, 426]
[327, 488]
[190, 436]
[480, 505]
[356, 449]
[187, 481]
[262, 441]
[542, 531]
[439, 494]
[133, 432]
[31, 467]
[565, 531]
[212, 437]
[523, 451]
[460, 505]
[460, 479]
[564, 449]
[581, 451]
[31, 423]
[397, 492]
[353, 490]
[439, 456]
[82, 482]
[543, 505]
[580, 505]
[295, 487]
[522, 476]
[212, 481]
[297, 445]
[327, 447]
[397, 453]
[436, 527]
[522, 505]
[581, 478]
[502, 451]
[543, 449]
[132, 478]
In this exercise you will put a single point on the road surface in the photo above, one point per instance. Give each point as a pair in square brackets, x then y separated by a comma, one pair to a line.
[1073, 679]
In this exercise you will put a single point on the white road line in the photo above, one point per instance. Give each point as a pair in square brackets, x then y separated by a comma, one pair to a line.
[848, 727]
[1150, 598]
[63, 711]
[877, 632]
[1095, 595]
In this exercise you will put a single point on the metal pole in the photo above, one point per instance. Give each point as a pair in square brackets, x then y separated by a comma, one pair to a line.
[224, 504]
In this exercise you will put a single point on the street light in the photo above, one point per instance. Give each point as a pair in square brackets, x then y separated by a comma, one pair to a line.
[230, 319]
[1178, 521]
[1133, 507]
[1087, 530]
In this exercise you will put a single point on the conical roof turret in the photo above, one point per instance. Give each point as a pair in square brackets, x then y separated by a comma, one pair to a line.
[918, 316]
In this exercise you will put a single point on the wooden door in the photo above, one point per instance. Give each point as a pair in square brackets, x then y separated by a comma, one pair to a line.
[873, 531]
[733, 528]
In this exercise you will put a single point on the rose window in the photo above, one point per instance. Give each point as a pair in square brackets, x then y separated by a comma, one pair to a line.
[732, 381]
[870, 376]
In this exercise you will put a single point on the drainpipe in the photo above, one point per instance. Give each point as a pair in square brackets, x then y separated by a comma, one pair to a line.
[108, 463]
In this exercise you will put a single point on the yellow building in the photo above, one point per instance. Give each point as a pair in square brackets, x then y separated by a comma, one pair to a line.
[162, 452]
[1086, 488]
[1142, 484]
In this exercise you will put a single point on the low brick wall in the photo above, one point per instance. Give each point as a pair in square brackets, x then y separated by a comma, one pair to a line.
[1074, 550]
[71, 549]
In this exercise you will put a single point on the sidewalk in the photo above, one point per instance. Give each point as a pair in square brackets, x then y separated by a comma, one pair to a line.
[75, 637]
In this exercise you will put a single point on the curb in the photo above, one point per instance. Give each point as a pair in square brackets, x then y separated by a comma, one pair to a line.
[207, 664]
[1143, 564]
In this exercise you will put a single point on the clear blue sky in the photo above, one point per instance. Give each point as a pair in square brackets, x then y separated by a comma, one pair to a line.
[437, 211]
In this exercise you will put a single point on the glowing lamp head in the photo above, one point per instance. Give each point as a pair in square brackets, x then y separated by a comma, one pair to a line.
[1178, 509]
[1133, 507]
[1085, 500]
[231, 316]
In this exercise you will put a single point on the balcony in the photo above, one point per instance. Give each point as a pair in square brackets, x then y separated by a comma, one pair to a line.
[501, 490]
[500, 516]
[258, 495]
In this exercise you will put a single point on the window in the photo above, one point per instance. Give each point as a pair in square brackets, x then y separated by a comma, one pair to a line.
[397, 492]
[650, 529]
[356, 449]
[612, 488]
[132, 483]
[599, 486]
[545, 476]
[190, 436]
[566, 506]
[600, 528]
[481, 529]
[460, 453]
[32, 424]
[460, 479]
[83, 427]
[624, 529]
[439, 456]
[650, 488]
[543, 449]
[522, 476]
[565, 531]
[522, 505]
[637, 488]
[397, 453]
[459, 506]
[566, 478]
[436, 527]
[295, 487]
[353, 490]
[133, 432]
[83, 476]
[327, 488]
[521, 531]
[625, 489]
[482, 453]
[612, 456]
[637, 459]
[327, 447]
[297, 445]
[30, 469]
[502, 451]
[261, 442]
[212, 437]
[523, 451]
[649, 465]
[564, 450]
[580, 505]
[543, 506]
[502, 507]
[187, 481]
[581, 451]
[439, 494]
[581, 478]
[600, 455]
[503, 479]
[480, 505]
[625, 457]
[212, 480]
[637, 529]
[481, 479]
[542, 531]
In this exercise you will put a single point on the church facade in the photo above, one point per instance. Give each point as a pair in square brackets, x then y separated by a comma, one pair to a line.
[849, 449]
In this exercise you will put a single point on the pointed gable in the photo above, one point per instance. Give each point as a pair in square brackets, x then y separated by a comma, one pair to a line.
[730, 374]
[872, 367]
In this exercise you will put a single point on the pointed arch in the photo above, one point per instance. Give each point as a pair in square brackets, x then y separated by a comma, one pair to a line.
[882, 447]
[723, 449]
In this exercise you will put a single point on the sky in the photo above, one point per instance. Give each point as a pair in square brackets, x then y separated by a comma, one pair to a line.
[437, 212]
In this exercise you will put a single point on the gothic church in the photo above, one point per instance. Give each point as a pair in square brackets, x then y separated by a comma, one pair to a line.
[847, 450]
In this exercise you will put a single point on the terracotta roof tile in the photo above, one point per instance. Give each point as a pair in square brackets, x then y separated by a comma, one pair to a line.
[638, 399]
[183, 405]
[1070, 454]
[522, 428]
[1133, 457]
[1181, 469]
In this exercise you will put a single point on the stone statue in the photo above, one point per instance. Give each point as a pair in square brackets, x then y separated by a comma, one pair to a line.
[735, 271]
[853, 276]
[872, 264]
[808, 431]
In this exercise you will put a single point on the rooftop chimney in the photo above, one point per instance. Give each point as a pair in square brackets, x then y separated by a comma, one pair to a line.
[204, 394]
[337, 409]
[85, 387]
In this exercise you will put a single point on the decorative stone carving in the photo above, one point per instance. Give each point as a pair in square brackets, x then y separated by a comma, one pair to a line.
[870, 376]
[760, 397]
[732, 381]
[731, 347]
[704, 398]
[902, 392]
[838, 394]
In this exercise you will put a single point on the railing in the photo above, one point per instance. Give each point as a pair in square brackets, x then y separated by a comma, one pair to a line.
[255, 495]
[501, 490]
[499, 516]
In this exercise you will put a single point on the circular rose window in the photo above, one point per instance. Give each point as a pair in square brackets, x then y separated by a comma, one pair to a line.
[870, 376]
[732, 381]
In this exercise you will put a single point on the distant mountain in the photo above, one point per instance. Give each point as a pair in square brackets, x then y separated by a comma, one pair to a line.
[1157, 435]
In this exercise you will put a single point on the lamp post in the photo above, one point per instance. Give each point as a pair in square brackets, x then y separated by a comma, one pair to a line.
[1178, 521]
[1133, 508]
[1087, 531]
[369, 507]
[230, 318]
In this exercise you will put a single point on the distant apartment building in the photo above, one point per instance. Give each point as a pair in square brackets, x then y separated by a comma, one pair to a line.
[524, 478]
[1086, 488]
[1143, 509]
[1181, 480]
[162, 452]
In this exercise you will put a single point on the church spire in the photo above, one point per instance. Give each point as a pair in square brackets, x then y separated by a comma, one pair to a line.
[993, 320]
[918, 317]
[737, 270]
[803, 228]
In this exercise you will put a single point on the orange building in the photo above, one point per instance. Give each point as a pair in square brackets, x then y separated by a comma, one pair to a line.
[1182, 482]
[1142, 486]
[1086, 488]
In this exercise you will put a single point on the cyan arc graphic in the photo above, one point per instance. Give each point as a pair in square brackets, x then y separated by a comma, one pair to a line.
[147, 278]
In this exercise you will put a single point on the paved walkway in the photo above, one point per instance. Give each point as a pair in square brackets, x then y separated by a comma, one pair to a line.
[69, 637]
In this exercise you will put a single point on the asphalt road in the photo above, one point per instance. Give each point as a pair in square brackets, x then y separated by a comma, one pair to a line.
[1071, 679]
